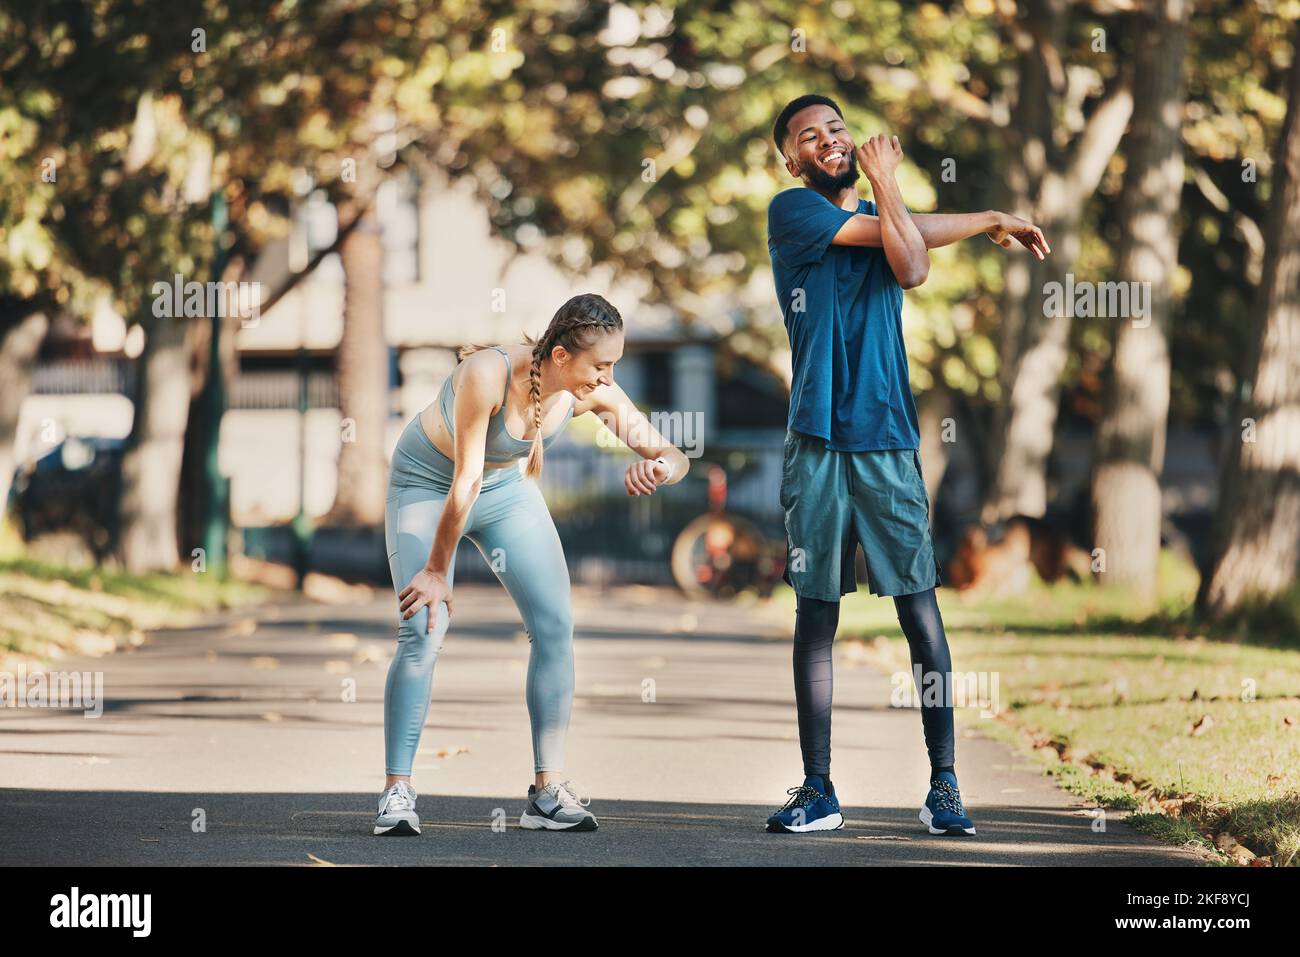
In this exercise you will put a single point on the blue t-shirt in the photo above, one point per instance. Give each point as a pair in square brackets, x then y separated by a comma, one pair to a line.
[850, 383]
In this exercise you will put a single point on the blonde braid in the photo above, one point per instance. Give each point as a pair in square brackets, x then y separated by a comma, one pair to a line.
[534, 467]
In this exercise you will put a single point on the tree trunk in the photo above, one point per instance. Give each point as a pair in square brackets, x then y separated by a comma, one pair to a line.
[1129, 449]
[20, 340]
[934, 409]
[363, 379]
[193, 497]
[151, 468]
[1256, 549]
[1029, 140]
[190, 503]
[1033, 347]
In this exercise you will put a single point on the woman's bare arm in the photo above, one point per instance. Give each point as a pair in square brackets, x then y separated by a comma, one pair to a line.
[621, 416]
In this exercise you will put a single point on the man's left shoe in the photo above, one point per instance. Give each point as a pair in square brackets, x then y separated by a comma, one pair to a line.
[942, 812]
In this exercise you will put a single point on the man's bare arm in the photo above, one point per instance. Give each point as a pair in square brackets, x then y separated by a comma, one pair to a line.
[904, 247]
[937, 229]
[943, 229]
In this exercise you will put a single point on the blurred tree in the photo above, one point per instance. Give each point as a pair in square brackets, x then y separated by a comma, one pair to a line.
[144, 109]
[1054, 162]
[363, 378]
[637, 136]
[1256, 548]
[1130, 439]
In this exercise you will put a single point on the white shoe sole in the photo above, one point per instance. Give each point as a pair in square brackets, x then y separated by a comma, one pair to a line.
[403, 828]
[927, 818]
[832, 822]
[532, 822]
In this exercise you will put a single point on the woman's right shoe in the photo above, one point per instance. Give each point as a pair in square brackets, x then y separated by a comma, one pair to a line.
[397, 817]
[556, 807]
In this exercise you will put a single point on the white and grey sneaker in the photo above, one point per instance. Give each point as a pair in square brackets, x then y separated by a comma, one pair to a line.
[557, 807]
[397, 815]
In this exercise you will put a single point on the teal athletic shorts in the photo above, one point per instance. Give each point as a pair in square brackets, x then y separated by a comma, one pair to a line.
[834, 501]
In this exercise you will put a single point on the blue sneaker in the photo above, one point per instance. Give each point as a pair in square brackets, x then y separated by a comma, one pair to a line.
[942, 812]
[810, 808]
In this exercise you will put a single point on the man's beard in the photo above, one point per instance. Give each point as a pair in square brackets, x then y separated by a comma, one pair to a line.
[827, 183]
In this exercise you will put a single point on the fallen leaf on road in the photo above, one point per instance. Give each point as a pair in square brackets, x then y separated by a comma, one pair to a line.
[883, 837]
[1200, 727]
[242, 628]
[318, 862]
[92, 644]
[450, 752]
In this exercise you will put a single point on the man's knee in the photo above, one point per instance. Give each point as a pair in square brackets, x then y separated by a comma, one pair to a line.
[815, 617]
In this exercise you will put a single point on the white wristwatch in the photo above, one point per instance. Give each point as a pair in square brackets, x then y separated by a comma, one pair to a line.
[667, 465]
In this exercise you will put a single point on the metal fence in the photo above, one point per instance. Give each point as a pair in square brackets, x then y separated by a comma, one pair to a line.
[279, 390]
[83, 377]
[271, 389]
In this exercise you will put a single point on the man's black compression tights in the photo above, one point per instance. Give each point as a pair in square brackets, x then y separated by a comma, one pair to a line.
[815, 624]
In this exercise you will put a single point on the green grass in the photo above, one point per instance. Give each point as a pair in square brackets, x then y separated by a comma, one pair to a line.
[1131, 704]
[48, 610]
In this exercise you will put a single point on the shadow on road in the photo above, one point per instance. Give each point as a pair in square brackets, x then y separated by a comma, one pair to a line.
[152, 828]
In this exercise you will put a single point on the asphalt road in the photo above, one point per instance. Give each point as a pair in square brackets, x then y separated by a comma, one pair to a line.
[246, 726]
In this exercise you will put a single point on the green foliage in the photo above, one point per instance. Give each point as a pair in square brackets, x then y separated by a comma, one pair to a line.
[631, 135]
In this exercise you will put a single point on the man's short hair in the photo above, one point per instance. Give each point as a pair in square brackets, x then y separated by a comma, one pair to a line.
[781, 129]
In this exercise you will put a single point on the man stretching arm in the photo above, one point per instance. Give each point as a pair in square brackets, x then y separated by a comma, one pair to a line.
[852, 469]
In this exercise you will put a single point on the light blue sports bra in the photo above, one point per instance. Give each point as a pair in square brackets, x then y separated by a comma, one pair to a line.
[500, 446]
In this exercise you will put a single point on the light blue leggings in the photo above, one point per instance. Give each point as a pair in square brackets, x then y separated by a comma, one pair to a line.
[512, 527]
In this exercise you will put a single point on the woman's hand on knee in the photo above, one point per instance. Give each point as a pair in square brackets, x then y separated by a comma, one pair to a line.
[426, 588]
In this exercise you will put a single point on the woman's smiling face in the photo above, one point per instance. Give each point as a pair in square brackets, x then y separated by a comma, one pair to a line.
[588, 369]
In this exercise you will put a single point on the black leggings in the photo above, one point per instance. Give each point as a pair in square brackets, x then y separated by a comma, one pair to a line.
[814, 631]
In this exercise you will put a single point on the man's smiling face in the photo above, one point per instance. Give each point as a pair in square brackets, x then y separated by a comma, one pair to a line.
[819, 149]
